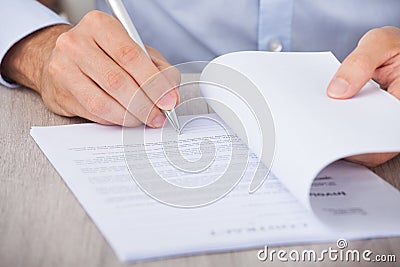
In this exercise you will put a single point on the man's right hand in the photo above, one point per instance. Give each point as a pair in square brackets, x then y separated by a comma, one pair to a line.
[94, 71]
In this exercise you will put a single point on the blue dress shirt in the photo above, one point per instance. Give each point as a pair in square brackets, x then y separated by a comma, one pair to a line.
[190, 30]
[186, 30]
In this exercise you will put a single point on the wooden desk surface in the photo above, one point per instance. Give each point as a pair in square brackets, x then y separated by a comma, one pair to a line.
[42, 223]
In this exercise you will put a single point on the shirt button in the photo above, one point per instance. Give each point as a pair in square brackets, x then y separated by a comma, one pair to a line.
[275, 45]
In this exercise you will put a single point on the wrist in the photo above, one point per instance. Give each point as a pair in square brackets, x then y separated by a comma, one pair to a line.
[24, 62]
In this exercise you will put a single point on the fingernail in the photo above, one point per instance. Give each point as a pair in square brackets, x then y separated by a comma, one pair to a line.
[158, 121]
[168, 101]
[338, 87]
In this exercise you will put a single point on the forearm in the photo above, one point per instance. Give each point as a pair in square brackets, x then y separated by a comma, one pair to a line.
[24, 62]
[20, 18]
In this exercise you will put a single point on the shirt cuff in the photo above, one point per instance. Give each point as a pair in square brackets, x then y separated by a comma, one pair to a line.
[24, 18]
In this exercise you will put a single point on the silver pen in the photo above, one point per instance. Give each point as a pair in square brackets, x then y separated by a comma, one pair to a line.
[119, 11]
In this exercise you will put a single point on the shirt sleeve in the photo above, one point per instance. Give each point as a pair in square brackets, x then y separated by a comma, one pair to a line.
[18, 19]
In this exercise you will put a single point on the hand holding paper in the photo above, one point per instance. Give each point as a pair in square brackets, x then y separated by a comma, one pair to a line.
[377, 57]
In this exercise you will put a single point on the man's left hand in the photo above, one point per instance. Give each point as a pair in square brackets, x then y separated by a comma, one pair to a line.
[377, 57]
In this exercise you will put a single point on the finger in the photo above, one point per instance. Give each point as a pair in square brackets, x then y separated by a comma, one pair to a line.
[115, 41]
[372, 160]
[101, 105]
[171, 73]
[375, 48]
[394, 88]
[83, 113]
[96, 102]
[120, 86]
[388, 75]
[65, 104]
[72, 106]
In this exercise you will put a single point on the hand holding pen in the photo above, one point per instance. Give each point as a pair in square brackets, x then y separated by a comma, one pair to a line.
[93, 70]
[122, 15]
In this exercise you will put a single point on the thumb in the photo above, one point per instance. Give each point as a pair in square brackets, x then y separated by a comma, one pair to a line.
[373, 50]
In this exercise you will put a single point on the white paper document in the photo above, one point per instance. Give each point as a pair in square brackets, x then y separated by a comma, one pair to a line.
[91, 160]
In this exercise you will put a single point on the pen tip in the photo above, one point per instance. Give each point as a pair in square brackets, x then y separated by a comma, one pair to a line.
[173, 119]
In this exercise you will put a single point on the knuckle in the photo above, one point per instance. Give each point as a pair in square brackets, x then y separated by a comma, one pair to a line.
[381, 34]
[95, 18]
[384, 35]
[114, 80]
[64, 40]
[375, 33]
[66, 43]
[173, 75]
[129, 53]
[97, 106]
[142, 111]
[361, 63]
